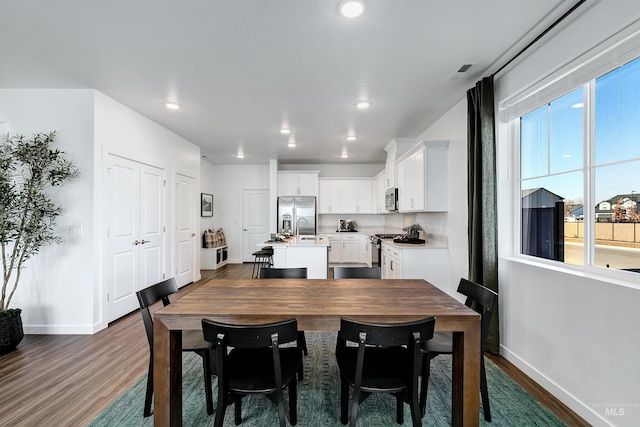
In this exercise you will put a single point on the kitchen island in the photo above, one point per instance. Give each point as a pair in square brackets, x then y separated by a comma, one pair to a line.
[311, 252]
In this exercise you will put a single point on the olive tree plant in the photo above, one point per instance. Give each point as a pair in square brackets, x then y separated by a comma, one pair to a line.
[29, 168]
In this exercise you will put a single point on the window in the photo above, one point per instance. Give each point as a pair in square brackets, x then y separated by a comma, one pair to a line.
[568, 175]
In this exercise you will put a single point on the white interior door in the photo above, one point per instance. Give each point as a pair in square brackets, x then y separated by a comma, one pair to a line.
[135, 200]
[255, 221]
[185, 230]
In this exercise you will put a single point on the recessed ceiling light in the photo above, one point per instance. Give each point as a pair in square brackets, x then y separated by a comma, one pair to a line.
[344, 155]
[351, 137]
[352, 8]
[285, 131]
[172, 105]
[292, 142]
[363, 105]
[240, 155]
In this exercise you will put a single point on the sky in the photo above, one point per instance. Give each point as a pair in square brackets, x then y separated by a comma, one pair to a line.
[552, 139]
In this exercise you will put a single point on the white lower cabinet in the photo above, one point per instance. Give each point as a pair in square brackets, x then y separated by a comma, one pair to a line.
[350, 253]
[349, 248]
[410, 262]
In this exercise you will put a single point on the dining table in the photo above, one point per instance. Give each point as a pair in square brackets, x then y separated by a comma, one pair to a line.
[318, 305]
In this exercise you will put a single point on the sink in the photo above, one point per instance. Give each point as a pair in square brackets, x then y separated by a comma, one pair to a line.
[310, 238]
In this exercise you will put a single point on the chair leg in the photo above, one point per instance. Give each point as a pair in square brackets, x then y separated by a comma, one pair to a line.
[293, 402]
[206, 365]
[399, 410]
[344, 401]
[220, 408]
[238, 410]
[149, 394]
[424, 383]
[484, 391]
[302, 342]
[416, 416]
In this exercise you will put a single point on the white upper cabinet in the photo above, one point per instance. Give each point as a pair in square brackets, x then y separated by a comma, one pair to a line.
[396, 148]
[422, 178]
[380, 186]
[330, 196]
[298, 183]
[346, 196]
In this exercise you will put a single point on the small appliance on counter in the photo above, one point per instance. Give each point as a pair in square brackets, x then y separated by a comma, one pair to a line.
[346, 225]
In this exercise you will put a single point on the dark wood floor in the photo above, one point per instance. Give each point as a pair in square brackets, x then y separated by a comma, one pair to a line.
[66, 380]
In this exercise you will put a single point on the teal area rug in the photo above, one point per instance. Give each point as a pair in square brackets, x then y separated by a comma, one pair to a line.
[319, 397]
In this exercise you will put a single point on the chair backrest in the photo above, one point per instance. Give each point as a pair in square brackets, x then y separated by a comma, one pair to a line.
[250, 336]
[151, 295]
[283, 273]
[386, 334]
[409, 334]
[356, 272]
[481, 299]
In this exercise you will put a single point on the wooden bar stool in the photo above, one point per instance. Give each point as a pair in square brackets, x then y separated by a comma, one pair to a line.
[262, 259]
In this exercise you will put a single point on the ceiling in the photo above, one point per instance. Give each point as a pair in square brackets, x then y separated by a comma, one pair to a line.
[242, 69]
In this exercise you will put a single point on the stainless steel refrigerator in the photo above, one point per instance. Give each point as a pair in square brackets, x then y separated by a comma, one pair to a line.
[297, 215]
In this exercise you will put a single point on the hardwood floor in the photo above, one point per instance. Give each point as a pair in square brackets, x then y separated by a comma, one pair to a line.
[66, 380]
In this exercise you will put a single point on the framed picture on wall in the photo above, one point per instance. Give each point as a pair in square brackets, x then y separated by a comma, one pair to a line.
[206, 206]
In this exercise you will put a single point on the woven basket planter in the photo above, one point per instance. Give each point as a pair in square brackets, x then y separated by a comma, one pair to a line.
[11, 332]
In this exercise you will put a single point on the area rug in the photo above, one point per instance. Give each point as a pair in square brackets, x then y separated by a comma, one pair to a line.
[319, 397]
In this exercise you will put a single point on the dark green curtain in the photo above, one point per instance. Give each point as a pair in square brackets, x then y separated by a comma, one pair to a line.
[481, 171]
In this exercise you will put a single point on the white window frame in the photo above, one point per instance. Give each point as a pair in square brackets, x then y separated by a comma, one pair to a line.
[618, 50]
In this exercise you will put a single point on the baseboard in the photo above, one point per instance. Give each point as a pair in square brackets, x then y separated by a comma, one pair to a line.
[577, 406]
[61, 329]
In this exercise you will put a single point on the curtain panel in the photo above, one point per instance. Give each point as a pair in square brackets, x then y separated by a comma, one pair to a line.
[481, 174]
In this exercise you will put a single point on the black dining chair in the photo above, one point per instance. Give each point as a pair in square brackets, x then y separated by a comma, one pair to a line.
[387, 359]
[283, 273]
[256, 364]
[483, 300]
[356, 272]
[288, 273]
[191, 340]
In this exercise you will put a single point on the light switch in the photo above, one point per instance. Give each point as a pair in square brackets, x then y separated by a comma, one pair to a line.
[75, 230]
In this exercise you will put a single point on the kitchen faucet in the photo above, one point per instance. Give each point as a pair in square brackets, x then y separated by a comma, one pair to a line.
[298, 225]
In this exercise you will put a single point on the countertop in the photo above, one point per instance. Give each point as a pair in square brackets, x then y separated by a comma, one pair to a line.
[298, 241]
[430, 244]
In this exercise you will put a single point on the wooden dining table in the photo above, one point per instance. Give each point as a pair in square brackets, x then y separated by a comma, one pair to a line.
[318, 305]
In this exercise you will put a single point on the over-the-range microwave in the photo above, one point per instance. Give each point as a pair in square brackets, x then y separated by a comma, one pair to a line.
[391, 199]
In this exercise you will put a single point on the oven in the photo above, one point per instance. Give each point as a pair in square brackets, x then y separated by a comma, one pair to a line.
[376, 242]
[391, 199]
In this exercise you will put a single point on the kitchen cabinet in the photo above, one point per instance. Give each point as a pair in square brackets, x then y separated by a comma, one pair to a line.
[422, 178]
[350, 253]
[410, 262]
[329, 196]
[346, 196]
[395, 148]
[298, 183]
[335, 250]
[349, 248]
[364, 250]
[379, 189]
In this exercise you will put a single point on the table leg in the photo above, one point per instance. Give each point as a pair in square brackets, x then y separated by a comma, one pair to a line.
[167, 375]
[465, 396]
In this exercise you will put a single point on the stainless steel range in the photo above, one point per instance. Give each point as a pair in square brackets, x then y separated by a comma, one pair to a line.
[377, 239]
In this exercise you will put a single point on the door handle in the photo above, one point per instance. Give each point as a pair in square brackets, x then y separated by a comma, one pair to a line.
[193, 234]
[137, 242]
[145, 241]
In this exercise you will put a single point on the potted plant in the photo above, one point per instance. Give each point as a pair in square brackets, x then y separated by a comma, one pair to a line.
[29, 167]
[413, 231]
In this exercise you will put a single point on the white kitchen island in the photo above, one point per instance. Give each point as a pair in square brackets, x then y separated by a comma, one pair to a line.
[302, 251]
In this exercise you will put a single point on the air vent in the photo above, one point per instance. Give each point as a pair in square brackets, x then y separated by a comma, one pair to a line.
[461, 71]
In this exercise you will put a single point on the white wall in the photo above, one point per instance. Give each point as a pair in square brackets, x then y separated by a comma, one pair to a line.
[576, 335]
[63, 290]
[226, 183]
[56, 289]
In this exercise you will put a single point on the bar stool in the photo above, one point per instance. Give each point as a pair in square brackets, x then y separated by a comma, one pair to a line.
[262, 259]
